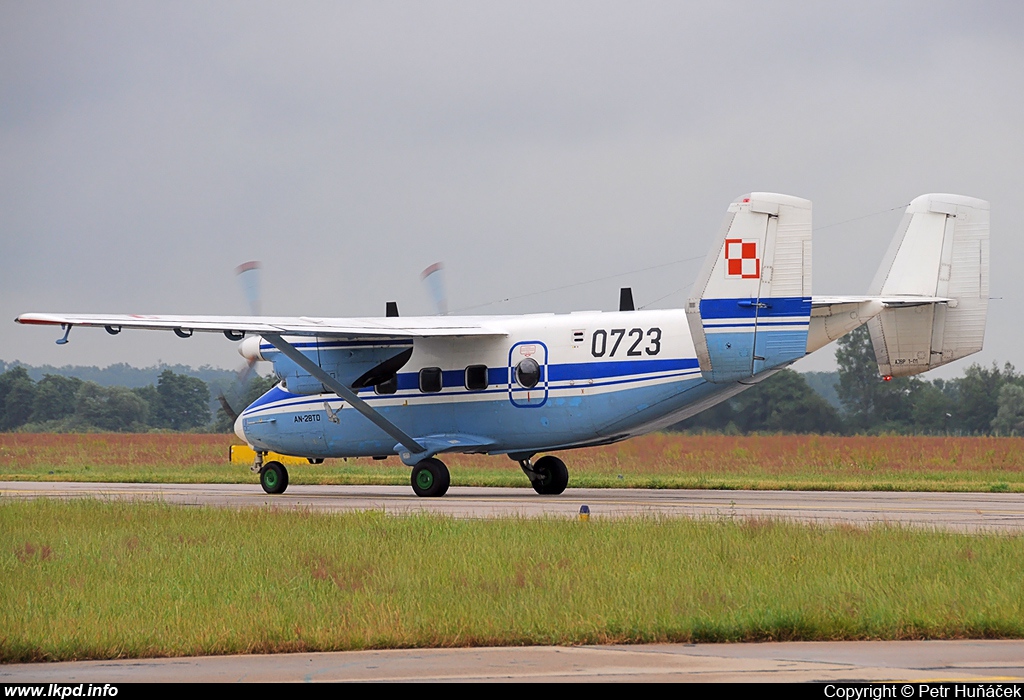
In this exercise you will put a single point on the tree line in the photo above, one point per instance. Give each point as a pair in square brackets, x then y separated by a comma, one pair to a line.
[984, 401]
[57, 404]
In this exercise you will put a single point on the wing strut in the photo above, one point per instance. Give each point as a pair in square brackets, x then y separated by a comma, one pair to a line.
[344, 392]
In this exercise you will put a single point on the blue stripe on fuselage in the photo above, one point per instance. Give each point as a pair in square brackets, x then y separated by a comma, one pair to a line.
[616, 371]
[318, 400]
[601, 370]
[746, 308]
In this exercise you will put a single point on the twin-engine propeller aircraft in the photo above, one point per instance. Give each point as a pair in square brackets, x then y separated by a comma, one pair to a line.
[523, 385]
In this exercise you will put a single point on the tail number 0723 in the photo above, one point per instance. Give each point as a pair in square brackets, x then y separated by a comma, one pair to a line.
[638, 342]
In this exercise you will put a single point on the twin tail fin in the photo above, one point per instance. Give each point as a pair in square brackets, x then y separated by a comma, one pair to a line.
[750, 307]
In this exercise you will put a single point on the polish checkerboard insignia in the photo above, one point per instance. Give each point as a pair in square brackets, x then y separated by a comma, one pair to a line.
[741, 259]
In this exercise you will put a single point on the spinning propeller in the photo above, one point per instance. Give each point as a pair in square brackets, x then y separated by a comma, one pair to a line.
[433, 277]
[248, 275]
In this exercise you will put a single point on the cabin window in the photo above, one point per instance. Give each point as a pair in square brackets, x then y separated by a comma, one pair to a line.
[528, 373]
[476, 377]
[388, 386]
[430, 380]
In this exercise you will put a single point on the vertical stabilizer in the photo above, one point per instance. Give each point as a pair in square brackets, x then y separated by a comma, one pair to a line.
[940, 250]
[750, 307]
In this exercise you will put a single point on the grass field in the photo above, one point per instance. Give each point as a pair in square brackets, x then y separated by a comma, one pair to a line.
[653, 461]
[88, 579]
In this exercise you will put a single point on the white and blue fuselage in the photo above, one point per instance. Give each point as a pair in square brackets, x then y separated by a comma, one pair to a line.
[603, 377]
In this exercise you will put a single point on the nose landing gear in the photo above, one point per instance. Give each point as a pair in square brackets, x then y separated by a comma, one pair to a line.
[274, 477]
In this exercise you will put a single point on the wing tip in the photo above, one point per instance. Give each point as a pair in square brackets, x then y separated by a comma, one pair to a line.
[35, 320]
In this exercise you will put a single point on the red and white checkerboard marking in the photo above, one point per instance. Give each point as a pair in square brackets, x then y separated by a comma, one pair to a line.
[741, 259]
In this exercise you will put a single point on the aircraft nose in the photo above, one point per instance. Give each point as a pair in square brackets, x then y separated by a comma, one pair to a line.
[240, 430]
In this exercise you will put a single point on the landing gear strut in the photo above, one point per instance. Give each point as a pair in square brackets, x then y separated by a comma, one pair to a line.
[430, 478]
[274, 477]
[548, 475]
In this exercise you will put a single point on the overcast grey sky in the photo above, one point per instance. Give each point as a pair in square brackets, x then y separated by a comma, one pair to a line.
[146, 148]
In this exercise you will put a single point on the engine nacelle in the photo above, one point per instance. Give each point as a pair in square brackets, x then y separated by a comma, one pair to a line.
[356, 363]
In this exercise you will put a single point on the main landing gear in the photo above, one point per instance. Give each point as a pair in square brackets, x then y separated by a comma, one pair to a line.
[430, 478]
[548, 475]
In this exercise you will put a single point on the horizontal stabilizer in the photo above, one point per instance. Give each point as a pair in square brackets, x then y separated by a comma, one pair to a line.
[833, 317]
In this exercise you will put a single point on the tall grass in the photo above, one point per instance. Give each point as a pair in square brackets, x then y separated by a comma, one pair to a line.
[87, 579]
[652, 461]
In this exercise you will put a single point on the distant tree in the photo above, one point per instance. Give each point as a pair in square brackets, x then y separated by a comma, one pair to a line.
[55, 398]
[782, 403]
[825, 384]
[1009, 418]
[870, 402]
[858, 375]
[112, 408]
[933, 408]
[182, 402]
[17, 393]
[785, 403]
[978, 393]
[150, 396]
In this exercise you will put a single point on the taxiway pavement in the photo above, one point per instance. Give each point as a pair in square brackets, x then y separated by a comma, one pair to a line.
[967, 512]
[988, 661]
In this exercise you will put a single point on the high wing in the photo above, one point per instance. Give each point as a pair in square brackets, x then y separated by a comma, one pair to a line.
[273, 328]
[235, 326]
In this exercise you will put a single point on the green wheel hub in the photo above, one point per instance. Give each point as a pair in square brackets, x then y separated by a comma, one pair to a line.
[430, 478]
[424, 479]
[274, 477]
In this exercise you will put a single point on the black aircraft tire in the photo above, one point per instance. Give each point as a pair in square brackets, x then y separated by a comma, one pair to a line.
[554, 476]
[430, 478]
[274, 477]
